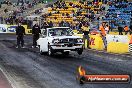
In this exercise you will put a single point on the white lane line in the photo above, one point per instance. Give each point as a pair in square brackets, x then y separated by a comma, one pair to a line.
[9, 78]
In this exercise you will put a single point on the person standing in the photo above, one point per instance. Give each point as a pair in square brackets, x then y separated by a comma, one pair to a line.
[20, 32]
[126, 29]
[85, 28]
[120, 29]
[103, 34]
[45, 25]
[50, 24]
[35, 31]
[61, 23]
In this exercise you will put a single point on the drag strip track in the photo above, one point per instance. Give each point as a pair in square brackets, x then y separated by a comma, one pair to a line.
[32, 70]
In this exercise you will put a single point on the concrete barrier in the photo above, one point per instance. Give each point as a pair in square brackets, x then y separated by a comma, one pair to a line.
[118, 43]
[118, 47]
[117, 38]
[115, 43]
[96, 42]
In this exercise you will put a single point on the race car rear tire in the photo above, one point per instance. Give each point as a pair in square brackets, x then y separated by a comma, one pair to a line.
[42, 53]
[80, 51]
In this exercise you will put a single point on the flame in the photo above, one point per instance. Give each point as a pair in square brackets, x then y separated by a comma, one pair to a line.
[81, 70]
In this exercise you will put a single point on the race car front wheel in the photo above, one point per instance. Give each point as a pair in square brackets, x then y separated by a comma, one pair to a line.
[80, 51]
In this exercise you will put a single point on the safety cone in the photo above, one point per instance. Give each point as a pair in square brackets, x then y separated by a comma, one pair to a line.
[130, 44]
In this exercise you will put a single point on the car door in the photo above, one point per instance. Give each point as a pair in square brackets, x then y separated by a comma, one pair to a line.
[43, 41]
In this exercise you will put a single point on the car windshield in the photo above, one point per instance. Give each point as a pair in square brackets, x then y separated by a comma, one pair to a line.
[60, 32]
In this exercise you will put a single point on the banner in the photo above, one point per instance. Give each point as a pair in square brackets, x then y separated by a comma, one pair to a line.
[11, 28]
[96, 42]
[3, 28]
[117, 38]
[28, 31]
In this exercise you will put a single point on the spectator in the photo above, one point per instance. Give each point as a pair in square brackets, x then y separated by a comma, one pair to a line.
[35, 31]
[86, 29]
[66, 24]
[50, 24]
[77, 27]
[1, 20]
[103, 34]
[72, 14]
[20, 32]
[61, 24]
[45, 25]
[67, 14]
[126, 29]
[120, 29]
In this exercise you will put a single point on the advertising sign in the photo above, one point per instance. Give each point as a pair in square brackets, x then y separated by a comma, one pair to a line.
[3, 28]
[11, 28]
[96, 42]
[92, 41]
[117, 38]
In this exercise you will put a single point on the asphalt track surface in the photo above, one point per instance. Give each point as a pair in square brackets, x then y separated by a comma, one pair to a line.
[26, 68]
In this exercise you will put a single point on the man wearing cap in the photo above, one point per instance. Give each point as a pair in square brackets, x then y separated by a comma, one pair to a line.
[20, 32]
[35, 31]
[103, 34]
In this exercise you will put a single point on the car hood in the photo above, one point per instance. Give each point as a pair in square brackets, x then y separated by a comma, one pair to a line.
[63, 37]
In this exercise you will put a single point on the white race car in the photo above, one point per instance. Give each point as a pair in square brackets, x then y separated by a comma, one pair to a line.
[59, 39]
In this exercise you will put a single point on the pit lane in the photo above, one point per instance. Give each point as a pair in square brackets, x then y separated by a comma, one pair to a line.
[28, 69]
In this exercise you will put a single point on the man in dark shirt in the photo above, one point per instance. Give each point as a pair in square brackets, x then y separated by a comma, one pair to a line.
[20, 32]
[35, 31]
[120, 29]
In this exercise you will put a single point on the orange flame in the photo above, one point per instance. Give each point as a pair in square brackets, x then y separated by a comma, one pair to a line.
[81, 70]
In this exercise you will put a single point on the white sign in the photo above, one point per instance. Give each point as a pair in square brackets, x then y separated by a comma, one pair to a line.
[117, 38]
[7, 28]
[3, 28]
[11, 29]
